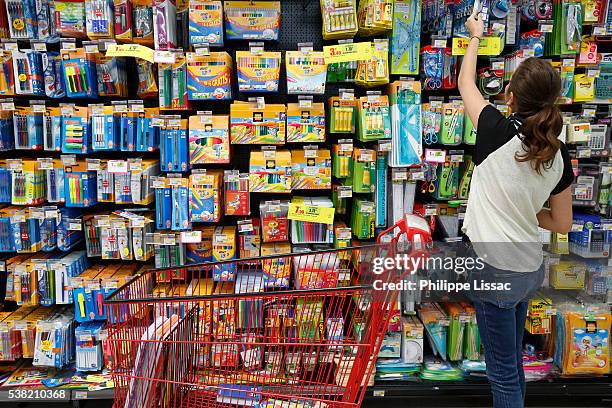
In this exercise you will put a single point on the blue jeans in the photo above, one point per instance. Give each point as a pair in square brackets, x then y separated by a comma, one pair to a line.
[501, 322]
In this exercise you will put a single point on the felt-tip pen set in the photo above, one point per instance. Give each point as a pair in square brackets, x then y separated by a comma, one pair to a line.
[206, 22]
[258, 71]
[79, 73]
[209, 76]
[252, 20]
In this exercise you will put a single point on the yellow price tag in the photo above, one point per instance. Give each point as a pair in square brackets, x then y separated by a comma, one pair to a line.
[311, 213]
[486, 46]
[348, 52]
[130, 50]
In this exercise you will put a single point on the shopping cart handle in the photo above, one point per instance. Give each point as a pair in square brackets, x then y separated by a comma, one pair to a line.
[416, 229]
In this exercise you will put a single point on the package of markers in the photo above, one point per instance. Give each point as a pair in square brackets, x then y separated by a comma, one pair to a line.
[174, 145]
[206, 22]
[69, 17]
[104, 129]
[123, 20]
[304, 232]
[311, 168]
[79, 72]
[305, 123]
[206, 193]
[339, 18]
[173, 84]
[164, 28]
[79, 186]
[274, 221]
[209, 77]
[306, 72]
[236, 186]
[99, 19]
[258, 71]
[76, 131]
[7, 79]
[209, 139]
[28, 128]
[22, 20]
[342, 115]
[374, 117]
[111, 75]
[147, 79]
[142, 20]
[270, 171]
[28, 71]
[52, 72]
[250, 124]
[252, 20]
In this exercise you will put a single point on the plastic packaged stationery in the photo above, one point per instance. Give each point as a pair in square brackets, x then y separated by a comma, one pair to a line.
[206, 22]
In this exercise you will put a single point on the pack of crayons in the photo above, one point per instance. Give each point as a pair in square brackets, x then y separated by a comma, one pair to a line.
[54, 176]
[342, 115]
[172, 203]
[79, 72]
[99, 19]
[303, 232]
[52, 72]
[306, 71]
[21, 19]
[339, 18]
[28, 71]
[174, 145]
[27, 181]
[206, 193]
[342, 156]
[257, 70]
[374, 117]
[209, 75]
[104, 130]
[374, 71]
[75, 130]
[311, 168]
[173, 84]
[142, 20]
[252, 124]
[79, 185]
[270, 171]
[69, 17]
[305, 122]
[236, 187]
[252, 20]
[147, 79]
[28, 127]
[274, 221]
[164, 27]
[206, 22]
[209, 139]
[7, 78]
[111, 75]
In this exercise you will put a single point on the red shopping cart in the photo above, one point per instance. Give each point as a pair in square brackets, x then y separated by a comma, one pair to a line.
[293, 331]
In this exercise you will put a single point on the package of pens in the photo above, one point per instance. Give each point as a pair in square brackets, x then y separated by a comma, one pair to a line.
[7, 78]
[256, 123]
[69, 17]
[147, 135]
[99, 19]
[164, 29]
[111, 75]
[339, 18]
[46, 28]
[111, 228]
[54, 179]
[147, 79]
[122, 12]
[209, 139]
[7, 137]
[270, 171]
[28, 128]
[374, 117]
[104, 128]
[364, 171]
[52, 129]
[174, 150]
[274, 221]
[79, 72]
[25, 230]
[92, 236]
[311, 168]
[22, 20]
[252, 20]
[142, 21]
[133, 186]
[6, 238]
[75, 130]
[28, 72]
[374, 71]
[5, 183]
[205, 195]
[305, 122]
[206, 22]
[54, 343]
[169, 254]
[209, 75]
[69, 229]
[303, 232]
[79, 185]
[48, 217]
[236, 186]
[89, 355]
[172, 204]
[27, 182]
[52, 72]
[306, 71]
[173, 84]
[125, 123]
[342, 113]
[258, 70]
[105, 180]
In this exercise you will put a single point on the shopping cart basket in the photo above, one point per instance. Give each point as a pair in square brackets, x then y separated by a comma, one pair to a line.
[290, 331]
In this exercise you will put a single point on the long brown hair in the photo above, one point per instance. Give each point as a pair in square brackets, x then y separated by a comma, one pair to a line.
[535, 86]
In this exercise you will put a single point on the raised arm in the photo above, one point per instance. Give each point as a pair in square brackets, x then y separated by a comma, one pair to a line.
[472, 98]
[559, 217]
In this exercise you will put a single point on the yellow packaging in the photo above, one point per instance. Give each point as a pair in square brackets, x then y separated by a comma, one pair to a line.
[277, 271]
[270, 172]
[305, 124]
[252, 125]
[311, 169]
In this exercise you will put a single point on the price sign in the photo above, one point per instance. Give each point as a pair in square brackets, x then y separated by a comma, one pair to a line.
[311, 213]
[486, 46]
[131, 50]
[117, 166]
[347, 52]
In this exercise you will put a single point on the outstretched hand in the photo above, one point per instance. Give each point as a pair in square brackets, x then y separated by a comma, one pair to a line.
[475, 25]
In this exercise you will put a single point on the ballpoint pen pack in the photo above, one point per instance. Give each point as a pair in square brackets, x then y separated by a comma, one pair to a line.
[311, 168]
[122, 18]
[52, 71]
[206, 22]
[104, 128]
[258, 70]
[164, 29]
[364, 171]
[251, 124]
[25, 231]
[174, 145]
[173, 84]
[111, 75]
[362, 218]
[236, 186]
[209, 77]
[205, 195]
[406, 124]
[209, 139]
[339, 18]
[22, 21]
[405, 42]
[79, 72]
[7, 79]
[270, 171]
[342, 113]
[28, 127]
[451, 132]
[69, 229]
[7, 137]
[28, 183]
[76, 131]
[374, 71]
[252, 20]
[374, 117]
[79, 185]
[147, 79]
[305, 122]
[306, 71]
[28, 71]
[54, 175]
[5, 183]
[69, 17]
[134, 186]
[99, 19]
[49, 220]
[140, 24]
[52, 129]
[274, 221]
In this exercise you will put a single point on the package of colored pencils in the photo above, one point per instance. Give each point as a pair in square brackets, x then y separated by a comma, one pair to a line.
[252, 124]
[252, 20]
[258, 71]
[79, 71]
[206, 22]
[209, 139]
[69, 17]
[173, 84]
[305, 123]
[209, 75]
[236, 193]
[311, 168]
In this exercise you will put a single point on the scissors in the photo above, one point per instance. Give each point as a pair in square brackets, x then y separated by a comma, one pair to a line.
[431, 175]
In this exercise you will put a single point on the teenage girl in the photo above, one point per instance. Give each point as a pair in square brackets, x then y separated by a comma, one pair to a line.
[520, 165]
